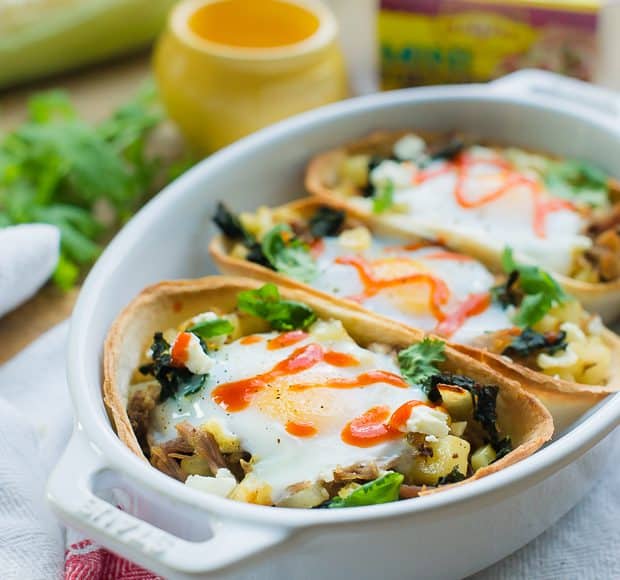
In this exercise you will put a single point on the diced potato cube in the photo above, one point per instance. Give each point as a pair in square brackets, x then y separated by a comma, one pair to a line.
[195, 465]
[249, 324]
[457, 402]
[355, 169]
[307, 497]
[482, 457]
[458, 428]
[449, 452]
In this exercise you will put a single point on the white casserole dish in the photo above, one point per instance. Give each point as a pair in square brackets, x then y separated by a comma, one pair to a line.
[193, 535]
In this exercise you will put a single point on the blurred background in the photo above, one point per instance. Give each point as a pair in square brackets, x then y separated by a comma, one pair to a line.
[102, 102]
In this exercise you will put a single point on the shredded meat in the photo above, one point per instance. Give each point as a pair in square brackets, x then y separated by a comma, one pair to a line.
[139, 410]
[605, 254]
[203, 444]
[409, 491]
[161, 459]
[358, 471]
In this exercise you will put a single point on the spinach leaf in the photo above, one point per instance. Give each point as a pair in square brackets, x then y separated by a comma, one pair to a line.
[266, 303]
[502, 448]
[326, 222]
[173, 380]
[383, 198]
[211, 328]
[530, 341]
[418, 363]
[578, 181]
[230, 225]
[288, 254]
[541, 290]
[382, 490]
[453, 477]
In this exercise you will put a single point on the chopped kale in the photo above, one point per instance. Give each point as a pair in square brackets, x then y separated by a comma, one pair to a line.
[530, 341]
[326, 222]
[453, 477]
[506, 294]
[418, 364]
[173, 380]
[502, 448]
[288, 254]
[431, 388]
[266, 303]
[230, 225]
[450, 150]
[373, 162]
[382, 490]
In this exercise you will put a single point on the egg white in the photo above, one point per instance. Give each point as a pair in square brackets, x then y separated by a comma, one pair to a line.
[279, 458]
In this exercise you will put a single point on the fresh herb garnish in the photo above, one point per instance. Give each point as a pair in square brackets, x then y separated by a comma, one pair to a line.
[385, 489]
[211, 328]
[530, 341]
[418, 362]
[541, 291]
[230, 225]
[383, 198]
[326, 222]
[173, 380]
[288, 254]
[578, 181]
[453, 477]
[266, 303]
[87, 180]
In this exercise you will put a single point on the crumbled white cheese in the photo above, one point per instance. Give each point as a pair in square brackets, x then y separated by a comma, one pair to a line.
[197, 360]
[356, 239]
[573, 332]
[203, 317]
[595, 326]
[410, 147]
[222, 484]
[398, 174]
[427, 420]
[566, 358]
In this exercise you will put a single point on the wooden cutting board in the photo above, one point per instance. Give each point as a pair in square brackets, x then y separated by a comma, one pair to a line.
[95, 92]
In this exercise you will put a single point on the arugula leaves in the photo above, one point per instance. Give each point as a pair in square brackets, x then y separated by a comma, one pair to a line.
[384, 489]
[173, 380]
[540, 290]
[211, 328]
[288, 254]
[266, 303]
[418, 362]
[530, 341]
[383, 198]
[326, 222]
[578, 181]
[57, 169]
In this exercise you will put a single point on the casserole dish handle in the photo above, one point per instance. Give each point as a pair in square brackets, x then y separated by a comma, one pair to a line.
[71, 494]
[597, 100]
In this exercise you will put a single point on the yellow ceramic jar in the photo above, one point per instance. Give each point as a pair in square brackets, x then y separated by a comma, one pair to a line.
[228, 67]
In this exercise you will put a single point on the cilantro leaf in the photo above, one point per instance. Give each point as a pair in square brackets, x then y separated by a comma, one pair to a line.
[211, 328]
[266, 303]
[418, 362]
[384, 489]
[383, 198]
[288, 254]
[578, 181]
[541, 291]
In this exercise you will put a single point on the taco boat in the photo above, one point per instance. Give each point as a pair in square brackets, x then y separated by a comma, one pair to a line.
[520, 322]
[562, 215]
[330, 408]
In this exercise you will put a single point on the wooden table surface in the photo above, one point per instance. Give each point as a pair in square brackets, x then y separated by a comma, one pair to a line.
[95, 92]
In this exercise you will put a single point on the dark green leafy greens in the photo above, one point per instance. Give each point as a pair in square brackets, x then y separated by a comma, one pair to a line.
[174, 380]
[418, 362]
[288, 254]
[266, 303]
[530, 342]
[212, 328]
[578, 181]
[230, 225]
[86, 180]
[453, 477]
[382, 490]
[539, 289]
[326, 221]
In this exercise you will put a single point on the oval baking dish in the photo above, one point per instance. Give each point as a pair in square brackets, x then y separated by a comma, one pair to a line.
[162, 525]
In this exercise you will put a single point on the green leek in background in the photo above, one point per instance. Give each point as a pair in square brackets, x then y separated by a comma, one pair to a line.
[43, 37]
